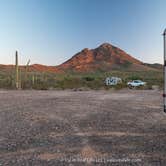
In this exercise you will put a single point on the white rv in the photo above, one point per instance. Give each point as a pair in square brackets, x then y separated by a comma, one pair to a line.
[113, 81]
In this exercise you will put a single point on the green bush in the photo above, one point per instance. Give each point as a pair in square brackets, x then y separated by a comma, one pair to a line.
[120, 86]
[88, 78]
[40, 85]
[69, 83]
[134, 77]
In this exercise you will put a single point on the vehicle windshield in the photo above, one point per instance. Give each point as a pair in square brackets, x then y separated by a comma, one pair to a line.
[137, 81]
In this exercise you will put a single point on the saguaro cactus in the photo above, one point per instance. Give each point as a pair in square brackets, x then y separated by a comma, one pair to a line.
[33, 79]
[26, 70]
[17, 72]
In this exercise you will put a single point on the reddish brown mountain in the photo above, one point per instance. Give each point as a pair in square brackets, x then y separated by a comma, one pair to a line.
[104, 58]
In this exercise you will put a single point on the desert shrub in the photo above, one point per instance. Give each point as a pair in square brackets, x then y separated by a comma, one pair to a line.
[69, 83]
[134, 77]
[88, 78]
[6, 82]
[40, 85]
[120, 86]
[26, 84]
[96, 84]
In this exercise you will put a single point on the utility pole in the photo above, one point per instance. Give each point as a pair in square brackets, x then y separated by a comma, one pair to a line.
[16, 72]
[164, 94]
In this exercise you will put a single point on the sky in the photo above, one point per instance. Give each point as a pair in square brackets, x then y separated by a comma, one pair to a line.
[51, 31]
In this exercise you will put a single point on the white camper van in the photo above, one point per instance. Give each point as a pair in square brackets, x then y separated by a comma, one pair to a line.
[113, 81]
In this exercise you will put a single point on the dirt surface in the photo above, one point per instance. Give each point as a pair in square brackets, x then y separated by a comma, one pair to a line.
[49, 128]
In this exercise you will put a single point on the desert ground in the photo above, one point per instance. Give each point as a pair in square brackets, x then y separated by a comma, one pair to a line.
[77, 128]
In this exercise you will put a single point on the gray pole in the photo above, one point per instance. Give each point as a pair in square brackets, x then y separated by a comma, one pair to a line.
[164, 94]
[16, 72]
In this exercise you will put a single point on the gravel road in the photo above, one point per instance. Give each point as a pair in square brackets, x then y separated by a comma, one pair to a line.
[78, 128]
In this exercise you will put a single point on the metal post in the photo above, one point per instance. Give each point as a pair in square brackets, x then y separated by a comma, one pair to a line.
[16, 71]
[164, 94]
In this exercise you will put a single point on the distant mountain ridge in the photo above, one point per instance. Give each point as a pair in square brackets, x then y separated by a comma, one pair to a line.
[31, 68]
[104, 58]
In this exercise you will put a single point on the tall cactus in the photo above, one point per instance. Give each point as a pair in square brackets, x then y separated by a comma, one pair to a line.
[17, 72]
[26, 70]
[33, 79]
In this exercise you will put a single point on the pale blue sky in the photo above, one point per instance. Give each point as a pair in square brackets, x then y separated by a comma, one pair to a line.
[51, 31]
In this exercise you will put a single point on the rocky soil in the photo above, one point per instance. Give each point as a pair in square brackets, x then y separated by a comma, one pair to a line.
[49, 128]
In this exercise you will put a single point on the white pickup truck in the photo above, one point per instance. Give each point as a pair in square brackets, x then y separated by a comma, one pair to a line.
[136, 83]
